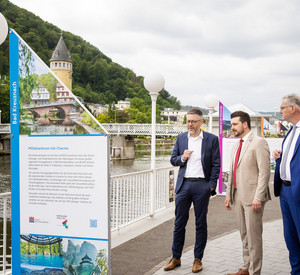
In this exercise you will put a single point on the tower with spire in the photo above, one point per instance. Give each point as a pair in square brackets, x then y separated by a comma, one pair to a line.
[61, 63]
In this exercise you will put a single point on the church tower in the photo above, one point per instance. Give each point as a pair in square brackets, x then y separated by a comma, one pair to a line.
[61, 63]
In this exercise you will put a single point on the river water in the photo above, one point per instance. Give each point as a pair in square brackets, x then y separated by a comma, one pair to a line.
[141, 162]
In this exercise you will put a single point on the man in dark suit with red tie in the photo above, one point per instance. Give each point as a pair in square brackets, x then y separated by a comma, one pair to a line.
[198, 155]
[287, 179]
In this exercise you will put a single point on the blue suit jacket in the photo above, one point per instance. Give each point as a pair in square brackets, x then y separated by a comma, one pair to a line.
[210, 158]
[295, 172]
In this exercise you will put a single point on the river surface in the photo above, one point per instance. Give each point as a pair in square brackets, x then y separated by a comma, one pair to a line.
[141, 162]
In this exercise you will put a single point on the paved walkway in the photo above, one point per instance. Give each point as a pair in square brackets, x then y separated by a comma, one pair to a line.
[145, 247]
[224, 254]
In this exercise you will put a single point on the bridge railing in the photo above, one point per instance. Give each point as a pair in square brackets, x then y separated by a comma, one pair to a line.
[129, 129]
[144, 129]
[4, 128]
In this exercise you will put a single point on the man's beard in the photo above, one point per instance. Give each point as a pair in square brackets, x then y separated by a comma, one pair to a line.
[238, 134]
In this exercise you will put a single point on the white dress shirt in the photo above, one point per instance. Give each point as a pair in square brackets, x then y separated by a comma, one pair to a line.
[194, 168]
[290, 151]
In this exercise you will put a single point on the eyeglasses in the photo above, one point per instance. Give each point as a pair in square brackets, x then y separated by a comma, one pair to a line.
[283, 107]
[192, 121]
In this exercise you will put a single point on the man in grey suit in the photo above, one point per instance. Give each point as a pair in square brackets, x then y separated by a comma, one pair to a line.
[248, 190]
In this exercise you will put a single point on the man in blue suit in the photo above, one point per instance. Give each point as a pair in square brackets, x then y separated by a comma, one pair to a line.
[287, 179]
[198, 155]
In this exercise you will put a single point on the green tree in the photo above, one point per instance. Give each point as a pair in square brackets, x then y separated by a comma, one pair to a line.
[49, 82]
[108, 81]
[184, 120]
[4, 102]
[104, 118]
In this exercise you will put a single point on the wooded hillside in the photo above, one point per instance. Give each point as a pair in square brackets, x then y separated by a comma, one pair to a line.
[96, 77]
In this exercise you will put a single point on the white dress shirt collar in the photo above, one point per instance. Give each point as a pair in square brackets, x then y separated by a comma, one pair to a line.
[199, 136]
[245, 138]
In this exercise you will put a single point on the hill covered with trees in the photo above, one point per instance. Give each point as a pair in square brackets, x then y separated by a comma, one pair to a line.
[96, 78]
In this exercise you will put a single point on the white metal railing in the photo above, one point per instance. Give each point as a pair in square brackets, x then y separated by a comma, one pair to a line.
[144, 129]
[133, 197]
[129, 129]
[5, 258]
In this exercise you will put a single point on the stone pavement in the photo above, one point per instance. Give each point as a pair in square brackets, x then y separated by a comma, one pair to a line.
[224, 254]
[137, 252]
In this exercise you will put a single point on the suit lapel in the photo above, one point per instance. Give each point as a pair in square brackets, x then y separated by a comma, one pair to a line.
[185, 142]
[245, 146]
[285, 138]
[296, 146]
[203, 148]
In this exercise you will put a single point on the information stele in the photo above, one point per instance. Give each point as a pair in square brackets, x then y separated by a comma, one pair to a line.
[59, 158]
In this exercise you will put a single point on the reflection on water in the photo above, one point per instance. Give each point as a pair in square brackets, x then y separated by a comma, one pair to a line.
[118, 167]
[55, 126]
[41, 260]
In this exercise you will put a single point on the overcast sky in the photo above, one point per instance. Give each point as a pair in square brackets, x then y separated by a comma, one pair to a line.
[244, 51]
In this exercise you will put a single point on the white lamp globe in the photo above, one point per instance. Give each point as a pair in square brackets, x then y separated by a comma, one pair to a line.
[211, 101]
[154, 83]
[3, 28]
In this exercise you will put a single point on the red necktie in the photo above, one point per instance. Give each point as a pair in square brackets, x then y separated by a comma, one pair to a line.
[237, 155]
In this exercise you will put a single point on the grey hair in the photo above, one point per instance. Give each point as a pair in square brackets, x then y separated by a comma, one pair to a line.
[293, 99]
[195, 111]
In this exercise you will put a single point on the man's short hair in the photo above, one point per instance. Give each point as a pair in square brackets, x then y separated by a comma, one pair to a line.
[244, 117]
[195, 111]
[292, 99]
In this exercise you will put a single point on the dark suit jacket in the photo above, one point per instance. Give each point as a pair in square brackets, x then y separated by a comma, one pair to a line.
[295, 172]
[210, 158]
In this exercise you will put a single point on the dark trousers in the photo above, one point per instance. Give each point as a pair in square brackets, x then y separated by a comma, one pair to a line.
[291, 225]
[197, 192]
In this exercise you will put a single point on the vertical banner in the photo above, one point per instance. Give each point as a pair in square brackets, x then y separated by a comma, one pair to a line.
[60, 190]
[226, 144]
[221, 145]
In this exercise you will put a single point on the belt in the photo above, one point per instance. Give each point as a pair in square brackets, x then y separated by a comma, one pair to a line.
[194, 179]
[286, 183]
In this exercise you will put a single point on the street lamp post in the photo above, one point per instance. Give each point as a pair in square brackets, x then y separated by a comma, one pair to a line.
[153, 83]
[210, 101]
[3, 34]
[3, 28]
